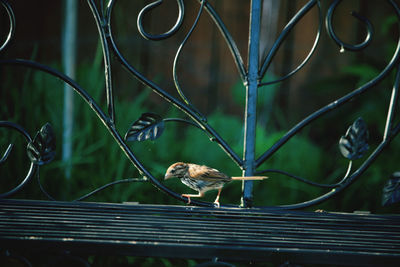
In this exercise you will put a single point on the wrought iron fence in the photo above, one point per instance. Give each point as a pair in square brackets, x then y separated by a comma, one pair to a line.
[353, 144]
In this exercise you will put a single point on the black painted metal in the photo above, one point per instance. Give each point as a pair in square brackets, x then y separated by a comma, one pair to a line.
[250, 116]
[228, 233]
[200, 233]
[32, 169]
[251, 76]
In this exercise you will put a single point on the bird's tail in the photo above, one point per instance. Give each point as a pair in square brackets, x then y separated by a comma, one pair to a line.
[249, 178]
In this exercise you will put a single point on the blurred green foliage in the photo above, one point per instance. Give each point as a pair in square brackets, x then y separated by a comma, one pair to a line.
[97, 159]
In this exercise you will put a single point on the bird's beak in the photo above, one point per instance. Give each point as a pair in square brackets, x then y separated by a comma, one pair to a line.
[167, 176]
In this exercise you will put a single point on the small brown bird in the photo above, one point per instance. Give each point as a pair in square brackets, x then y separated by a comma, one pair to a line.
[202, 178]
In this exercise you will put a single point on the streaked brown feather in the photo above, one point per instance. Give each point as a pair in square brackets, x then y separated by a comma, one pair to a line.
[205, 173]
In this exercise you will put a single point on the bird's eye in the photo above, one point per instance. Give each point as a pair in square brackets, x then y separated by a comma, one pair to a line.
[173, 171]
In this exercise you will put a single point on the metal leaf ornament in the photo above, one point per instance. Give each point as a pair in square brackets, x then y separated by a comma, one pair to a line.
[391, 190]
[148, 126]
[354, 143]
[42, 149]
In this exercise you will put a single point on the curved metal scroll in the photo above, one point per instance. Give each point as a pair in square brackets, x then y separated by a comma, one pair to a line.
[344, 46]
[33, 167]
[11, 18]
[169, 33]
[195, 117]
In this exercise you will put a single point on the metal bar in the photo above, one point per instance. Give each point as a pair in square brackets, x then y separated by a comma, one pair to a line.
[229, 40]
[174, 68]
[335, 104]
[306, 181]
[351, 179]
[344, 46]
[165, 95]
[133, 223]
[251, 102]
[256, 68]
[332, 106]
[392, 106]
[107, 59]
[33, 167]
[149, 229]
[165, 35]
[11, 19]
[106, 120]
[285, 32]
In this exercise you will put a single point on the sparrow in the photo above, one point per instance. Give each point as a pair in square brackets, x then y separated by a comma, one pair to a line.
[202, 178]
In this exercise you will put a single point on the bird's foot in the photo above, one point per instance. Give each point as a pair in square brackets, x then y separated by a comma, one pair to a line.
[188, 197]
[216, 203]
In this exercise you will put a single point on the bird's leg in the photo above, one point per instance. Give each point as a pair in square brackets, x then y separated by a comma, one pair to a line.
[216, 201]
[200, 194]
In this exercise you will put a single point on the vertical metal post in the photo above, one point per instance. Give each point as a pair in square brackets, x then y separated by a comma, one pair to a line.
[251, 101]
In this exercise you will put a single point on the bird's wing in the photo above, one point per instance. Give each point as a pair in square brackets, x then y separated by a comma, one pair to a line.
[206, 173]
